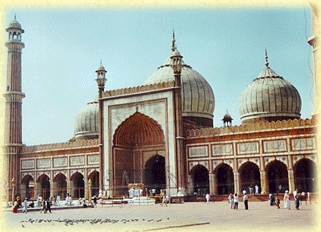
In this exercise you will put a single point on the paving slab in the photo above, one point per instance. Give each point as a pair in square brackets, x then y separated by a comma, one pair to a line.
[213, 216]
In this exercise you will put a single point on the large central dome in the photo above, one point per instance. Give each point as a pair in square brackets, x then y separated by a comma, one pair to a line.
[197, 95]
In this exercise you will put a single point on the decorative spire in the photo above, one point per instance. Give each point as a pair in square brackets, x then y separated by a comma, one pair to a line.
[173, 42]
[266, 59]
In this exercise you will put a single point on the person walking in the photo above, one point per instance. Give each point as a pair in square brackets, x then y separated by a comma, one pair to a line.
[236, 201]
[163, 195]
[48, 207]
[58, 200]
[246, 201]
[287, 203]
[207, 198]
[277, 201]
[44, 207]
[231, 200]
[297, 201]
[25, 206]
[95, 200]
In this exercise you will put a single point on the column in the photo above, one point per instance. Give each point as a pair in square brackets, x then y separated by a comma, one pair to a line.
[52, 190]
[291, 181]
[86, 188]
[68, 188]
[35, 191]
[263, 182]
[190, 186]
[212, 182]
[237, 183]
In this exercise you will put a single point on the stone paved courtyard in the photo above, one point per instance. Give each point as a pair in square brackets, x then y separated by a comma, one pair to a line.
[215, 216]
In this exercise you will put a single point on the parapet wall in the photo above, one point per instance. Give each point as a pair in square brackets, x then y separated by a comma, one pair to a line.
[137, 89]
[255, 127]
[60, 146]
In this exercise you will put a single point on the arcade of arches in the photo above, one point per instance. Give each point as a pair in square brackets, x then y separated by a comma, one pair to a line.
[278, 179]
[76, 187]
[138, 154]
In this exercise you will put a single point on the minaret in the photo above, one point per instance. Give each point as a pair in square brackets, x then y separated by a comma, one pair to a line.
[13, 104]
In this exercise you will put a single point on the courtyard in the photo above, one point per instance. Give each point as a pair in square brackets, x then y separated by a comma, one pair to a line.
[214, 216]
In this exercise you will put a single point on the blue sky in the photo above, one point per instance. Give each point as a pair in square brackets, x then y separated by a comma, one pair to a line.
[63, 48]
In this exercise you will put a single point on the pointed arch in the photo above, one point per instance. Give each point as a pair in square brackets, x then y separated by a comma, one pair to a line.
[137, 135]
[305, 175]
[43, 186]
[78, 185]
[154, 173]
[60, 185]
[277, 175]
[94, 177]
[249, 176]
[27, 187]
[224, 178]
[200, 178]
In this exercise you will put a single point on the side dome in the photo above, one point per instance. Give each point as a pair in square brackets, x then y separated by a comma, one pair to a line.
[86, 124]
[269, 98]
[198, 100]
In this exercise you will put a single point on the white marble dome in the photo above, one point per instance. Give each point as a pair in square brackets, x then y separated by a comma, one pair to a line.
[269, 97]
[197, 95]
[86, 124]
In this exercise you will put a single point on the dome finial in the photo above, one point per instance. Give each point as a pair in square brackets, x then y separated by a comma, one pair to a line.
[266, 59]
[15, 16]
[173, 42]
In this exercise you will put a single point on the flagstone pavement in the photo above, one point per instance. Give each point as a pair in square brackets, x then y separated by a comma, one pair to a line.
[213, 216]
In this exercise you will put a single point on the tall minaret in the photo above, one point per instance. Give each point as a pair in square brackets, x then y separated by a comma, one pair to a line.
[13, 102]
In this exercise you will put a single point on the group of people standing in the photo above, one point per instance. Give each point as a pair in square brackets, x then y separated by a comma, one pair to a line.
[234, 201]
[287, 203]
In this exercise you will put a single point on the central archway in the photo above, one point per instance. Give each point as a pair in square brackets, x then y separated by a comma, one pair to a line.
[136, 140]
[155, 174]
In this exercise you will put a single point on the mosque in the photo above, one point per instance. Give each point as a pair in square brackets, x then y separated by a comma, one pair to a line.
[160, 135]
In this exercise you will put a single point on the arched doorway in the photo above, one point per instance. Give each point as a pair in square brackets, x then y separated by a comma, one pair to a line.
[78, 185]
[277, 174]
[305, 175]
[60, 185]
[200, 178]
[94, 177]
[249, 176]
[224, 179]
[136, 140]
[27, 187]
[43, 186]
[155, 174]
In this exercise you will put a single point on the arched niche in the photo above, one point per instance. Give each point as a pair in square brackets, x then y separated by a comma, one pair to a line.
[137, 135]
